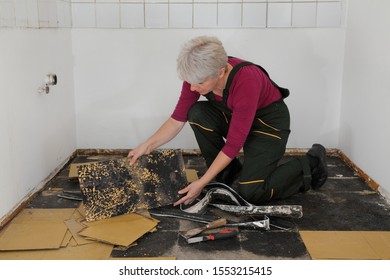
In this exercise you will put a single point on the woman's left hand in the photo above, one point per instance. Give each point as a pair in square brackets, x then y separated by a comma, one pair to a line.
[192, 191]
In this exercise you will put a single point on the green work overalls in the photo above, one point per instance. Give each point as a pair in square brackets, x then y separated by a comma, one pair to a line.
[262, 178]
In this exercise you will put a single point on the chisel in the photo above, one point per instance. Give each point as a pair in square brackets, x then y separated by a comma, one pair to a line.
[223, 234]
[195, 231]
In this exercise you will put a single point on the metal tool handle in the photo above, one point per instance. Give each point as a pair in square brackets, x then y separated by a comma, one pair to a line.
[223, 234]
[217, 223]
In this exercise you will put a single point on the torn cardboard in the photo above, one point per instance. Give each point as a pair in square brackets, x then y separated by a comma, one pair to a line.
[353, 245]
[93, 251]
[35, 229]
[192, 175]
[75, 226]
[120, 230]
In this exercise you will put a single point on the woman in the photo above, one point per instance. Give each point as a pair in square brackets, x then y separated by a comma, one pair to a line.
[244, 110]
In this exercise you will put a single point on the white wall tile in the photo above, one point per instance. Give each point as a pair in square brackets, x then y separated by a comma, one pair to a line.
[205, 15]
[47, 13]
[64, 14]
[181, 1]
[328, 14]
[304, 14]
[229, 14]
[107, 15]
[171, 13]
[225, 1]
[254, 1]
[132, 1]
[180, 15]
[7, 13]
[156, 15]
[132, 15]
[21, 18]
[83, 15]
[156, 1]
[279, 15]
[254, 15]
[32, 13]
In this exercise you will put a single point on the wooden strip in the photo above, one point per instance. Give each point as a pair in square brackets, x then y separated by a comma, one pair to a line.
[364, 175]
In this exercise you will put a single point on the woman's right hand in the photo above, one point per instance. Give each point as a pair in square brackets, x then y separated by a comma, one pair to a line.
[143, 149]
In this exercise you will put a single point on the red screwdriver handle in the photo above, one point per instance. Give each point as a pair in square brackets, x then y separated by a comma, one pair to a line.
[223, 234]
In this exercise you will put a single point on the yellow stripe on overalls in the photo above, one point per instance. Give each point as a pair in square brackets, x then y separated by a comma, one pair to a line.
[269, 134]
[260, 120]
[205, 128]
[251, 182]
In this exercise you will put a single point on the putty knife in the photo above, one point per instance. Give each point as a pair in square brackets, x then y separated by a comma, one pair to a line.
[214, 224]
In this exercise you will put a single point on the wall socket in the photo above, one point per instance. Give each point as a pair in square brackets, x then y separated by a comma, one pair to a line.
[50, 80]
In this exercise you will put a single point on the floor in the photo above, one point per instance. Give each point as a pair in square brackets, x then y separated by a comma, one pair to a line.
[344, 204]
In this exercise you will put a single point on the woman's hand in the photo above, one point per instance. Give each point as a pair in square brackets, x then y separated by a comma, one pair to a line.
[192, 191]
[163, 135]
[143, 149]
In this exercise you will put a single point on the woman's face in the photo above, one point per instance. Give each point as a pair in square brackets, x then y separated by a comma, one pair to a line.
[206, 86]
[210, 84]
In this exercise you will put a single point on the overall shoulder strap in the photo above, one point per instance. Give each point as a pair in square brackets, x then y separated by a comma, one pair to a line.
[234, 71]
[284, 91]
[231, 77]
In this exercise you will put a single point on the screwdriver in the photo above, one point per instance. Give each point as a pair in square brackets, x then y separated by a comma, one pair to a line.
[223, 234]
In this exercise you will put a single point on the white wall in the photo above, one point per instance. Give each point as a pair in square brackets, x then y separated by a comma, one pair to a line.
[126, 83]
[37, 130]
[365, 114]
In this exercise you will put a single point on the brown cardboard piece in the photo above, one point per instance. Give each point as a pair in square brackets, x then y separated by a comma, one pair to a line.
[192, 175]
[93, 251]
[354, 245]
[75, 226]
[121, 230]
[67, 238]
[73, 171]
[35, 229]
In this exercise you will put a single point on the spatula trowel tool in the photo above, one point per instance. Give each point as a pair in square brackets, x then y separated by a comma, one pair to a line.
[195, 231]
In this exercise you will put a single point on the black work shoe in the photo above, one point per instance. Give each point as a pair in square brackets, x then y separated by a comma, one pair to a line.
[230, 173]
[319, 169]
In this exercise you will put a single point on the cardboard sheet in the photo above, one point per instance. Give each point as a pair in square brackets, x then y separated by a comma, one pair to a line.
[353, 245]
[75, 227]
[35, 229]
[65, 242]
[93, 251]
[120, 230]
[192, 175]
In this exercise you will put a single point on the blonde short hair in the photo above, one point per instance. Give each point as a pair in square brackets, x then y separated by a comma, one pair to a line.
[201, 58]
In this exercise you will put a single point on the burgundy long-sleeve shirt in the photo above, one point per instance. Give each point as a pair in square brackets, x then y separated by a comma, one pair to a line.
[249, 91]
